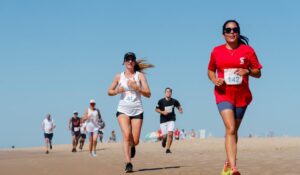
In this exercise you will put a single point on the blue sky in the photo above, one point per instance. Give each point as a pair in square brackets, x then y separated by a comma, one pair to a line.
[56, 55]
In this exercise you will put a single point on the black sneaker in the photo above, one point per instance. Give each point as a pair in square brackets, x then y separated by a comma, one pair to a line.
[128, 168]
[163, 143]
[168, 151]
[132, 151]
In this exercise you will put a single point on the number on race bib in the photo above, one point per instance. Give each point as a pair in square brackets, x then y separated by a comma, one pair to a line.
[231, 78]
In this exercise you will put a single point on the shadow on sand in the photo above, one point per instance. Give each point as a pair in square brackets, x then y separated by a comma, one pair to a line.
[161, 168]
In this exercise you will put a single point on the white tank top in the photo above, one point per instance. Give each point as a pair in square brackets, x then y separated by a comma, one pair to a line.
[92, 124]
[130, 102]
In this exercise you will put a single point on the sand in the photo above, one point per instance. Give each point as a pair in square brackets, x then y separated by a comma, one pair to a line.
[261, 156]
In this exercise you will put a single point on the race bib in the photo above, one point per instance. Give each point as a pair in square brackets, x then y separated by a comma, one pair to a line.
[231, 78]
[169, 109]
[130, 96]
[76, 129]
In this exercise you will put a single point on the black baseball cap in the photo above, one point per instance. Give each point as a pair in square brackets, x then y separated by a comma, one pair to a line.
[130, 55]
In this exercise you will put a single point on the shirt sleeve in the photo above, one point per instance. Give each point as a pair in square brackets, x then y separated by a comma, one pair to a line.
[212, 62]
[159, 105]
[177, 104]
[254, 63]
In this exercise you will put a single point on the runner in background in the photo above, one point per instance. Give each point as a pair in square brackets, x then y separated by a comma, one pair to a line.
[166, 108]
[92, 117]
[48, 126]
[74, 127]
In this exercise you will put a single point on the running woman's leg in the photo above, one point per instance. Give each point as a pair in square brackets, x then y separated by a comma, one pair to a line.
[136, 127]
[95, 137]
[125, 125]
[91, 142]
[230, 139]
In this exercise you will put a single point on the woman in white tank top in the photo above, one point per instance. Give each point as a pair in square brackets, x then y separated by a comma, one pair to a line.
[131, 84]
[91, 117]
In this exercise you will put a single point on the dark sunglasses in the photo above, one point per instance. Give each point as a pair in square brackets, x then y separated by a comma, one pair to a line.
[130, 59]
[235, 30]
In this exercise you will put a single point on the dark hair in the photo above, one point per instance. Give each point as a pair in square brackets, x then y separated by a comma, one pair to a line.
[168, 88]
[242, 39]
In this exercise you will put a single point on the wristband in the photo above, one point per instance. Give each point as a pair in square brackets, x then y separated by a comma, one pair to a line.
[249, 71]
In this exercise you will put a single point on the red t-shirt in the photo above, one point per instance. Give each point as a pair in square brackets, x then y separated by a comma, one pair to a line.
[242, 57]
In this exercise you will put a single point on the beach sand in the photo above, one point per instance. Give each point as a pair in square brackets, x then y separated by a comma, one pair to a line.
[259, 156]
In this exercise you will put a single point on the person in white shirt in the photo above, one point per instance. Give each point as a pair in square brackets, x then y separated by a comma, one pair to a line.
[131, 85]
[48, 126]
[92, 118]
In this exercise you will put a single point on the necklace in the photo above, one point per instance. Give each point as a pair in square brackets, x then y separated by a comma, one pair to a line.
[232, 52]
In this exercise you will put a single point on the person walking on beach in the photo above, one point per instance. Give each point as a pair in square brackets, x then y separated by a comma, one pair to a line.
[230, 66]
[131, 84]
[74, 127]
[92, 117]
[48, 126]
[166, 108]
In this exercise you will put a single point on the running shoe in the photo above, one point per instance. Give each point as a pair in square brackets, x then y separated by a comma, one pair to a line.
[168, 151]
[132, 151]
[226, 169]
[94, 154]
[227, 172]
[128, 168]
[163, 143]
[235, 171]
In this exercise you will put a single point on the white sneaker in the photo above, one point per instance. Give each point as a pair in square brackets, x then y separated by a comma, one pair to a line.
[94, 154]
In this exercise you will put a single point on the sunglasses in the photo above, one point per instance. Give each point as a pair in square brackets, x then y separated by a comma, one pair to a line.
[235, 30]
[130, 59]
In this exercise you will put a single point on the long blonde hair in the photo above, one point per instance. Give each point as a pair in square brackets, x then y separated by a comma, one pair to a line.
[142, 65]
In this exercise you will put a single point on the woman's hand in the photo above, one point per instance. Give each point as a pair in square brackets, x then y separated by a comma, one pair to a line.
[133, 85]
[218, 81]
[119, 90]
[242, 72]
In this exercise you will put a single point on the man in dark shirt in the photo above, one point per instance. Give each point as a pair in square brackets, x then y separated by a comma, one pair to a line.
[166, 109]
[74, 126]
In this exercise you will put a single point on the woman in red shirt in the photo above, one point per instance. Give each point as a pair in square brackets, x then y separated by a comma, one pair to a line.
[229, 69]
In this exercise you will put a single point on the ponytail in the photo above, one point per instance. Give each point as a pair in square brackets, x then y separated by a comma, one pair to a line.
[142, 65]
[243, 40]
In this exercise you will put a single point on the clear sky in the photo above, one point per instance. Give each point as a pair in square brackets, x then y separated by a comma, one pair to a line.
[57, 55]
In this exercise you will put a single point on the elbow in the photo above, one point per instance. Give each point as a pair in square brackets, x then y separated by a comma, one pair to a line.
[258, 75]
[109, 93]
[148, 94]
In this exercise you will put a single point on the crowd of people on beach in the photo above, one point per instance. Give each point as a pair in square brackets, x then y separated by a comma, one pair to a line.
[230, 66]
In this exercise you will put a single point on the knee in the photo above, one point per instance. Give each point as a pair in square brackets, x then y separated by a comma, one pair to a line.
[170, 134]
[231, 131]
[136, 142]
[126, 137]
